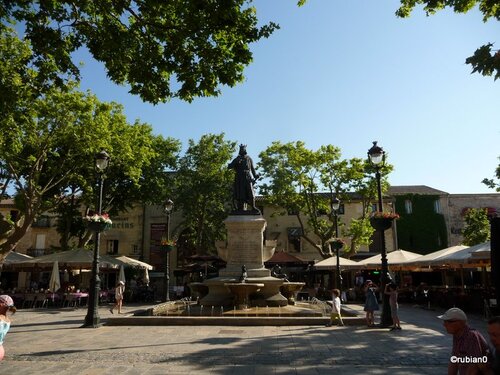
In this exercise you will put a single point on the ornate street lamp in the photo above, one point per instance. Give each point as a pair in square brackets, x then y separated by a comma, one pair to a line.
[335, 207]
[376, 156]
[167, 207]
[92, 320]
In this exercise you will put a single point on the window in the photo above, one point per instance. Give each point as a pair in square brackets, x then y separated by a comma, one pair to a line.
[112, 247]
[408, 207]
[341, 209]
[294, 234]
[135, 249]
[437, 206]
[40, 241]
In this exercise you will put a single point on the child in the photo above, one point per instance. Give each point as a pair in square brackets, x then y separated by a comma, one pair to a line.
[391, 289]
[336, 308]
[371, 303]
[119, 291]
[6, 305]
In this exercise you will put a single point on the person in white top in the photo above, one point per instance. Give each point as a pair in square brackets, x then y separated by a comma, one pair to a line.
[335, 317]
[119, 291]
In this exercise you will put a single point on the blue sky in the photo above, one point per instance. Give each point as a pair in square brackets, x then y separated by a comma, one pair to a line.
[347, 73]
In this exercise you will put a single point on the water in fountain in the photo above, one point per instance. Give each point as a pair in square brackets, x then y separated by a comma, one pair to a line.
[279, 311]
[212, 314]
[234, 310]
[189, 310]
[201, 310]
[221, 311]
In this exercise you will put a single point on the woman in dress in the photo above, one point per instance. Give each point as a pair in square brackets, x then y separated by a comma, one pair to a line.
[119, 291]
[6, 305]
[371, 302]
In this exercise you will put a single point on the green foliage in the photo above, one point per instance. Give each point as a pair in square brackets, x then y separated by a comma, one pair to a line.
[295, 178]
[202, 189]
[491, 183]
[477, 227]
[50, 136]
[162, 49]
[485, 60]
[424, 230]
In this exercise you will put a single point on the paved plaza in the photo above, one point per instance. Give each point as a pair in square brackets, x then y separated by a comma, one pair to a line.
[49, 341]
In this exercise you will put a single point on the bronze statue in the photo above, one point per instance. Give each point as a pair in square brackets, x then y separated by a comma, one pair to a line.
[244, 179]
[244, 275]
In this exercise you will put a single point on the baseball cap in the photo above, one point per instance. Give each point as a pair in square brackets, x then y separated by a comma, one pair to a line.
[453, 314]
[6, 300]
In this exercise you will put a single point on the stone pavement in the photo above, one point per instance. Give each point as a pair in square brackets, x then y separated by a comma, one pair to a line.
[49, 341]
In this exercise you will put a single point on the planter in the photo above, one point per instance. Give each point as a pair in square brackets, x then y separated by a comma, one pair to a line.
[97, 226]
[167, 248]
[381, 223]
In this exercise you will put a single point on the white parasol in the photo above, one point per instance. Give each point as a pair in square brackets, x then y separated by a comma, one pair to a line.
[121, 276]
[55, 279]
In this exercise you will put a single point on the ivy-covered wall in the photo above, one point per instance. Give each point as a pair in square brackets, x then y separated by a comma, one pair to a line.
[423, 231]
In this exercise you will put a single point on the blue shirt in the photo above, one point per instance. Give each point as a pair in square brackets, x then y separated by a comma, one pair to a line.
[4, 328]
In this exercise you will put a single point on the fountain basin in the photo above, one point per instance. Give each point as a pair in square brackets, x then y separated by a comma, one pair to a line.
[290, 291]
[241, 293]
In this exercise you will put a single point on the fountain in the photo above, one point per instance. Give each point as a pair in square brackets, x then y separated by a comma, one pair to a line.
[245, 246]
[245, 284]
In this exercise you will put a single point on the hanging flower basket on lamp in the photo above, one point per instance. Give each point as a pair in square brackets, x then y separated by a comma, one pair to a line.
[382, 220]
[167, 245]
[98, 223]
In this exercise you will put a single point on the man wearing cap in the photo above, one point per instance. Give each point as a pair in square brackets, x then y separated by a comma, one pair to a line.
[469, 346]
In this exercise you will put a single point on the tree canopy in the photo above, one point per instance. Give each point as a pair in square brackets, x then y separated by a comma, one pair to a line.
[485, 59]
[491, 182]
[49, 138]
[202, 190]
[477, 227]
[162, 49]
[304, 182]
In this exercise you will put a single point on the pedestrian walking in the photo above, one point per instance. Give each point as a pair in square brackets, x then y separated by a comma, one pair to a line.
[335, 316]
[119, 291]
[371, 302]
[469, 346]
[391, 289]
[6, 305]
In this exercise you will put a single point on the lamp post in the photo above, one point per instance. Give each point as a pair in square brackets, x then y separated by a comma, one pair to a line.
[376, 156]
[335, 208]
[92, 320]
[167, 207]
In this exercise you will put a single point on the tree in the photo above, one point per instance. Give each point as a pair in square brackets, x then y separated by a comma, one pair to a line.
[49, 138]
[477, 227]
[304, 182]
[121, 191]
[491, 183]
[162, 49]
[485, 59]
[203, 190]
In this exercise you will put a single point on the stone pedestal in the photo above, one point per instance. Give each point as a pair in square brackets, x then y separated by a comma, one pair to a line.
[245, 246]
